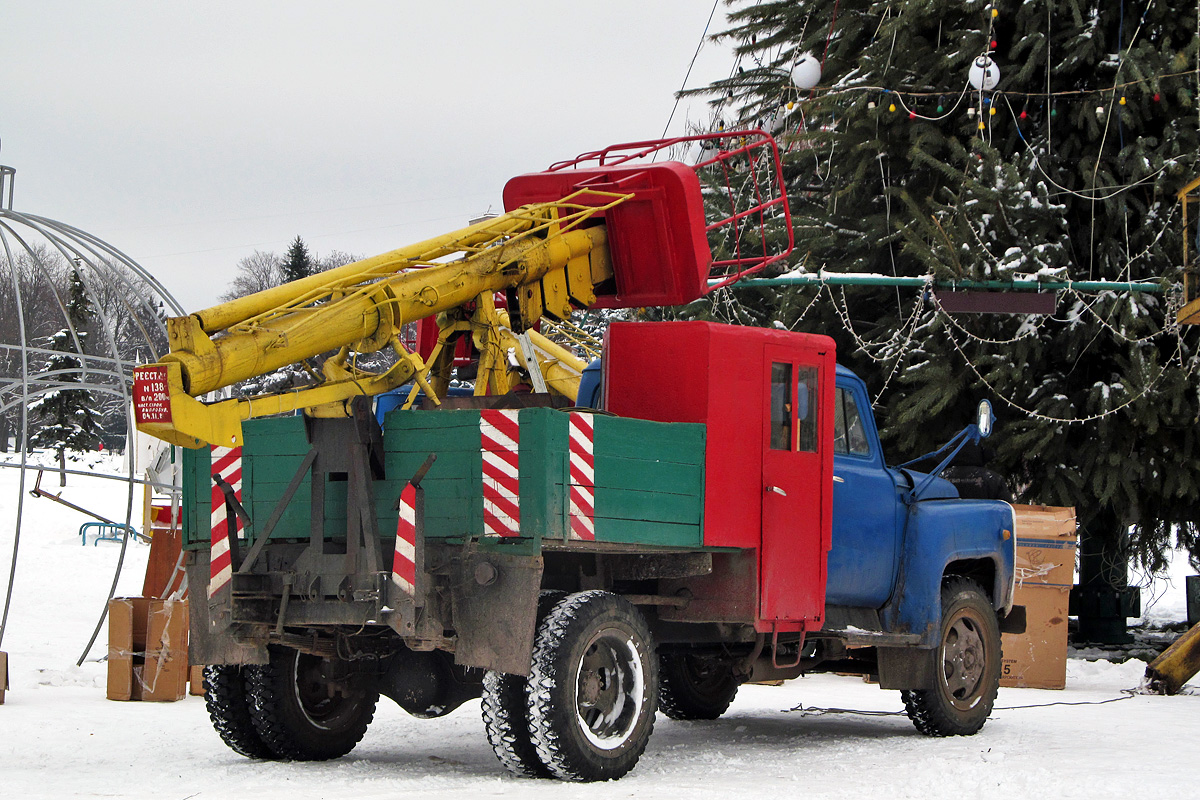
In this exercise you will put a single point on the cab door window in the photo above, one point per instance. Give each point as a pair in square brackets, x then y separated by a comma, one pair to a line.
[849, 436]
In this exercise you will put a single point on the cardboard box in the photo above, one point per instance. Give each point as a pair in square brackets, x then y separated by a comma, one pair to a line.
[3, 675]
[196, 681]
[147, 649]
[1046, 543]
[1037, 659]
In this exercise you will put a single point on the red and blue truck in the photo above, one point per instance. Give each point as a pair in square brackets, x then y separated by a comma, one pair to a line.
[720, 511]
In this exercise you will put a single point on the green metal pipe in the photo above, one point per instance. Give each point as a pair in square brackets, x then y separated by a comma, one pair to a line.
[1023, 285]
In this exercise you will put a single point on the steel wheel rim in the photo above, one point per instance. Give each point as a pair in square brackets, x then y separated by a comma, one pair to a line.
[964, 658]
[609, 689]
[311, 691]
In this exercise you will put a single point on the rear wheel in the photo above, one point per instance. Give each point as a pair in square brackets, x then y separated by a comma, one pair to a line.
[695, 687]
[593, 688]
[965, 666]
[506, 711]
[229, 709]
[307, 708]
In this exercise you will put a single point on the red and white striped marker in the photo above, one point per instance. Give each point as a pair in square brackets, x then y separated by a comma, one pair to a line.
[226, 462]
[583, 478]
[404, 562]
[500, 437]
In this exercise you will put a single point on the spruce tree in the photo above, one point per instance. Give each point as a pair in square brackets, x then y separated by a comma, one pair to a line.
[297, 263]
[66, 414]
[1067, 168]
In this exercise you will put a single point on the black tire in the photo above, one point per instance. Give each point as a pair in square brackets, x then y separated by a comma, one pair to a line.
[593, 687]
[300, 713]
[693, 687]
[505, 708]
[964, 667]
[229, 710]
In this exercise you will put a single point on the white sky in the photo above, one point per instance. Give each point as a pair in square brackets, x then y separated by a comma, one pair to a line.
[189, 134]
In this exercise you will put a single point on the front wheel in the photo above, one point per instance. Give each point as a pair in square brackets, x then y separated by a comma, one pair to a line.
[965, 669]
[593, 688]
[308, 708]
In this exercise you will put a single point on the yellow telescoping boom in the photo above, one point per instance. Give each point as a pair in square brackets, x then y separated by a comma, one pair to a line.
[609, 221]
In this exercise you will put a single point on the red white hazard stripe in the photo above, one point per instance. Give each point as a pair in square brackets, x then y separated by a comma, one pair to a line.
[226, 462]
[404, 563]
[583, 478]
[500, 437]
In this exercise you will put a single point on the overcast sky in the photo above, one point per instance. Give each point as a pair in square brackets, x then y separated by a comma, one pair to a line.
[189, 134]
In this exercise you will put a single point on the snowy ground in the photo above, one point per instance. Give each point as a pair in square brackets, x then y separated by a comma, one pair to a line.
[60, 737]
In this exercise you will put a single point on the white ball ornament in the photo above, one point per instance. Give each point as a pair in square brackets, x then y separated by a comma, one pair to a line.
[984, 74]
[806, 74]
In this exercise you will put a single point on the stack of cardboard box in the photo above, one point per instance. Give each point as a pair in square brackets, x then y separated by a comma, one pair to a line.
[147, 649]
[1046, 542]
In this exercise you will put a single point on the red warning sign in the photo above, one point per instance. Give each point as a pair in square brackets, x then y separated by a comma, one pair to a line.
[151, 399]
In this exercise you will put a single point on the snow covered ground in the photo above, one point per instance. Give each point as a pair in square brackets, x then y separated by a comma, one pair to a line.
[60, 737]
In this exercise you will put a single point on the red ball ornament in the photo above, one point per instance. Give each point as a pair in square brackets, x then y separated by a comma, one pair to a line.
[912, 115]
[1157, 97]
[1023, 115]
[993, 44]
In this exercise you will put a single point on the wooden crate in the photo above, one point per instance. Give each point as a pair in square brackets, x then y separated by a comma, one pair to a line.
[649, 478]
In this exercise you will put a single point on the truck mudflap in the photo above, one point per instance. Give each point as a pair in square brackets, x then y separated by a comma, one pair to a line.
[973, 537]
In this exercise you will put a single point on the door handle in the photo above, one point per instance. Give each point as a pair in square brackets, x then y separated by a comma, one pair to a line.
[776, 490]
[838, 479]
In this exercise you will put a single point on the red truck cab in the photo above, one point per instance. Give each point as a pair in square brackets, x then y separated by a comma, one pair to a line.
[766, 398]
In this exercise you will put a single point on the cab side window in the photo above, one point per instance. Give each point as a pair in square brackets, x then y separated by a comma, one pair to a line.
[781, 406]
[806, 412]
[849, 436]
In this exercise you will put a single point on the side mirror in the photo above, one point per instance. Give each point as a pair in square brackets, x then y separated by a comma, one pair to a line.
[986, 419]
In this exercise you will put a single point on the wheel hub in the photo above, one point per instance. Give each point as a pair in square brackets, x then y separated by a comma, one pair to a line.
[963, 661]
[608, 690]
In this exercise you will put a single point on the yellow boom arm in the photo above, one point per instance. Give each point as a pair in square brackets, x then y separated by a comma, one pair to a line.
[542, 251]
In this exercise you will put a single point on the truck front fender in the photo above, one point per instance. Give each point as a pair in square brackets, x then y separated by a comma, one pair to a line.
[975, 537]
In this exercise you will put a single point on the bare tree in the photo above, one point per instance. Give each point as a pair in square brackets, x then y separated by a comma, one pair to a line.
[255, 273]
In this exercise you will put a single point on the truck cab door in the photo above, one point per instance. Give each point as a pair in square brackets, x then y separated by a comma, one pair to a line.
[866, 506]
[795, 499]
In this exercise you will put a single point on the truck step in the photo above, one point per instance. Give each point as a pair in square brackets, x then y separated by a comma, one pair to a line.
[856, 637]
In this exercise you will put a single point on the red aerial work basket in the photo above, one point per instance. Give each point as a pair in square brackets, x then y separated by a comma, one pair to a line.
[683, 230]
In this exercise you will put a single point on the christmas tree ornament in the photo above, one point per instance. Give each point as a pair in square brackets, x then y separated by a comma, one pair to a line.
[806, 73]
[1023, 114]
[892, 107]
[870, 104]
[941, 105]
[1099, 111]
[790, 105]
[984, 74]
[912, 115]
[1122, 100]
[994, 44]
[1156, 97]
[981, 125]
[971, 112]
[995, 13]
[992, 111]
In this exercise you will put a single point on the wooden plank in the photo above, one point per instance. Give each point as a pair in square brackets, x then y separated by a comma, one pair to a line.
[672, 442]
[274, 437]
[649, 506]
[644, 532]
[662, 476]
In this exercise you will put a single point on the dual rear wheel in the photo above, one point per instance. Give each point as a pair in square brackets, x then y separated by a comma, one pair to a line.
[586, 711]
[297, 707]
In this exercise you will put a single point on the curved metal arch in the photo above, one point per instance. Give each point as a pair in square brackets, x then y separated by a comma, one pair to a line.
[137, 295]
